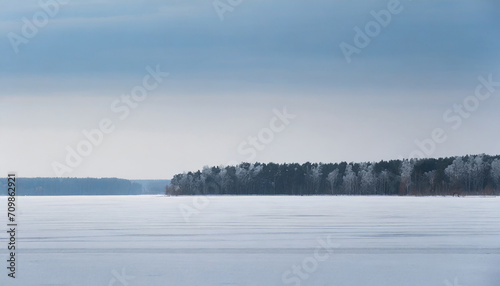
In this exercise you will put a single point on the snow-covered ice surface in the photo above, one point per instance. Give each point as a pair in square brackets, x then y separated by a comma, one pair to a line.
[255, 241]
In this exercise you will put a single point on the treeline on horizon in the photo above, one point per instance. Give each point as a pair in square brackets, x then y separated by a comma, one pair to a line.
[81, 186]
[462, 175]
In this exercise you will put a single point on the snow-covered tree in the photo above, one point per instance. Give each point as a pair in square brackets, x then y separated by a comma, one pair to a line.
[332, 179]
[477, 168]
[206, 179]
[350, 180]
[255, 170]
[406, 171]
[367, 178]
[457, 173]
[245, 175]
[242, 178]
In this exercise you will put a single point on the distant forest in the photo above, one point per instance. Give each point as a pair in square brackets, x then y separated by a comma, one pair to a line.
[83, 186]
[466, 175]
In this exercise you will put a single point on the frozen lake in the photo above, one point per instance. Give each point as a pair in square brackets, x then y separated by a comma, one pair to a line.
[254, 241]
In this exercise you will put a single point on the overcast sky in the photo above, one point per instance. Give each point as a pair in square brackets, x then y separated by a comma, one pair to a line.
[64, 69]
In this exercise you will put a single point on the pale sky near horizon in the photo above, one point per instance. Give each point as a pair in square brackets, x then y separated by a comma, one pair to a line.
[227, 77]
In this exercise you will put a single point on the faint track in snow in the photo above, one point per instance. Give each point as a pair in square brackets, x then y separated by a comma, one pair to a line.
[267, 250]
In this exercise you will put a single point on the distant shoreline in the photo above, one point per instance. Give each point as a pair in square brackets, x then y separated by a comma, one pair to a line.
[84, 186]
